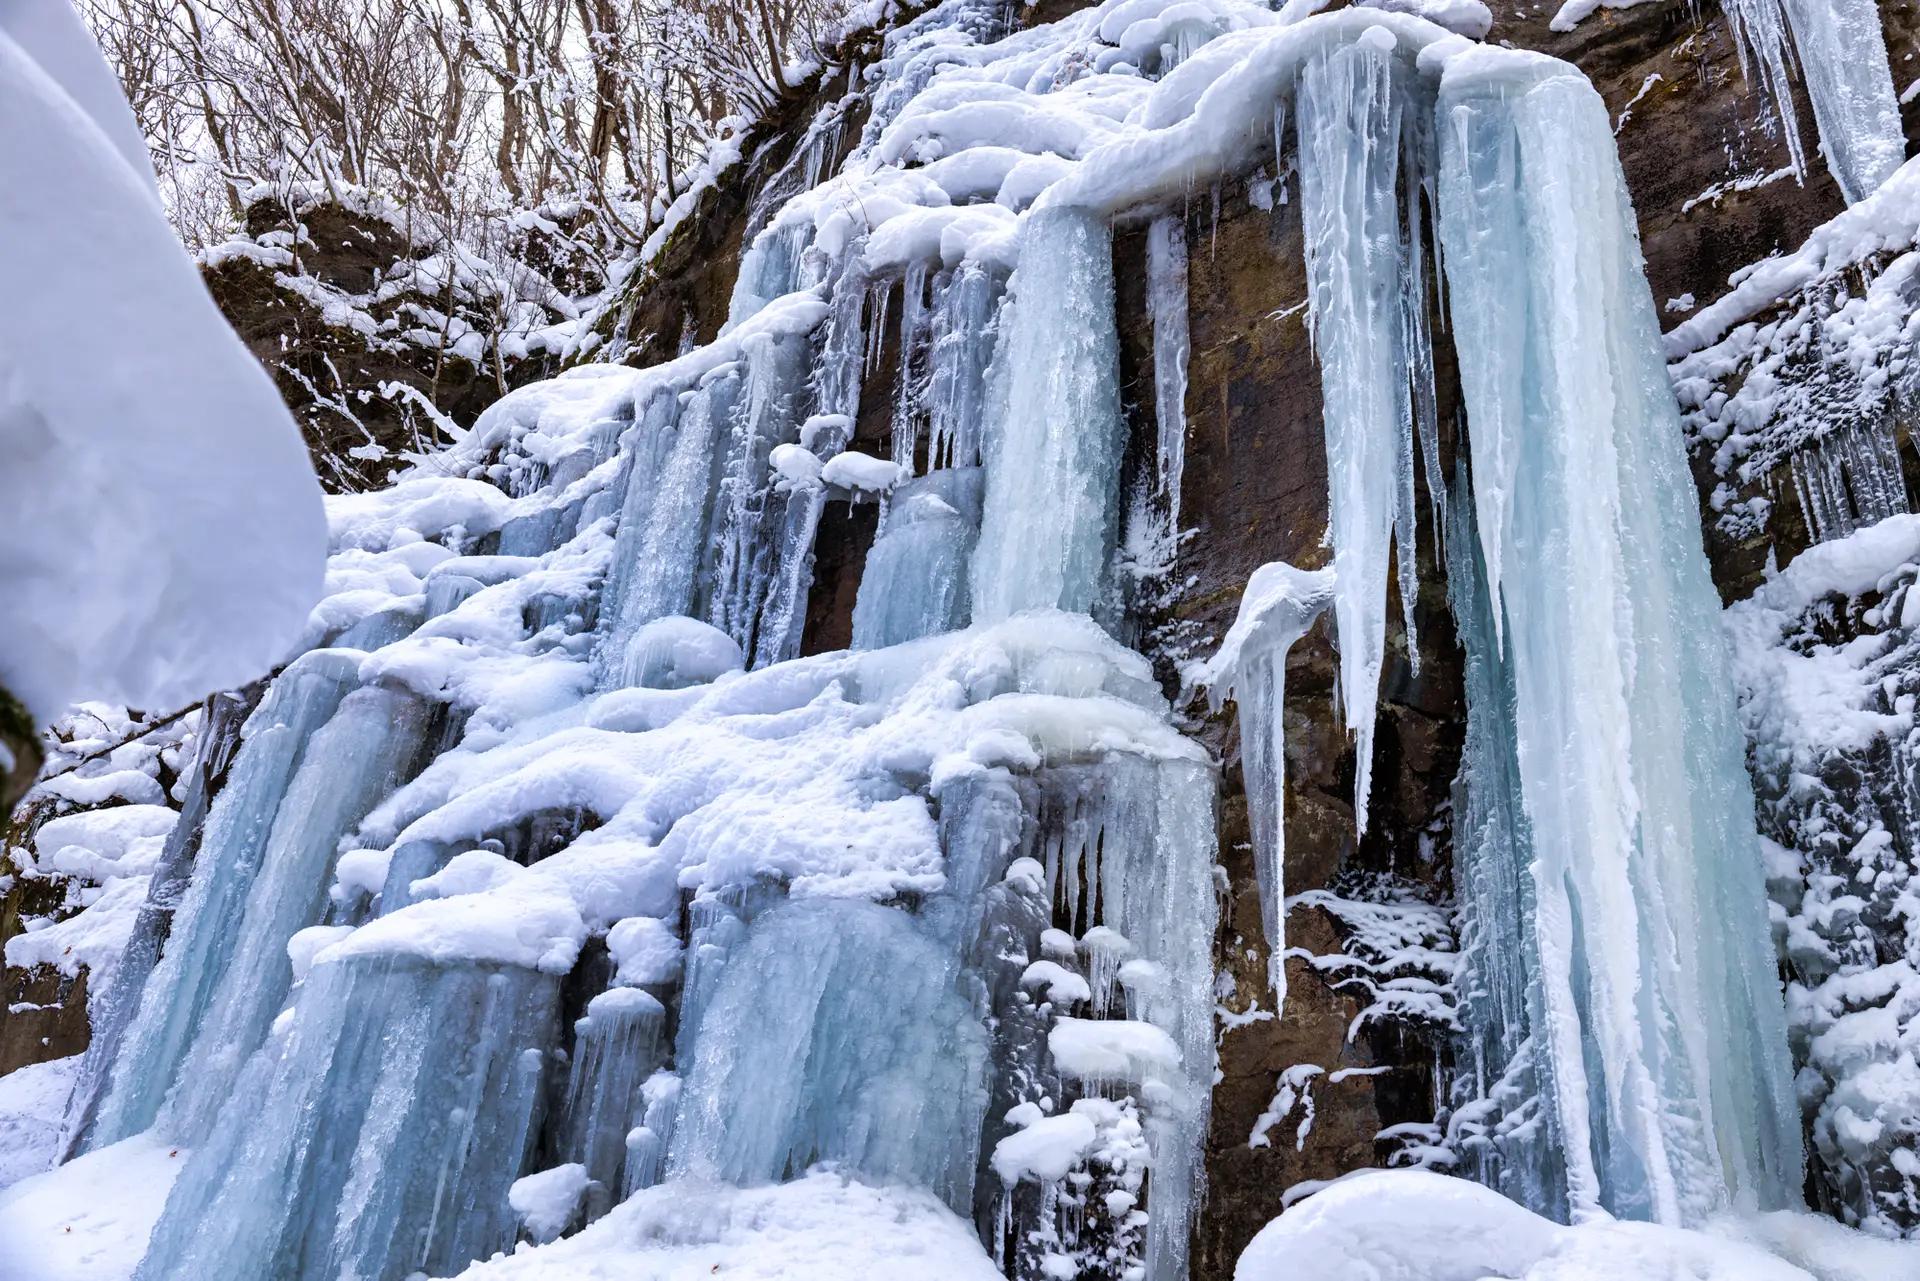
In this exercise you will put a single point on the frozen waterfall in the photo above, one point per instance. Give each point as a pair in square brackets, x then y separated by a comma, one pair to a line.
[557, 856]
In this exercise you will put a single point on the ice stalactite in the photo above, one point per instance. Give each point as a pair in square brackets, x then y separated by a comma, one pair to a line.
[1250, 668]
[1349, 121]
[916, 581]
[1664, 1040]
[1842, 55]
[618, 1046]
[1167, 307]
[753, 601]
[1055, 434]
[1122, 847]
[1849, 478]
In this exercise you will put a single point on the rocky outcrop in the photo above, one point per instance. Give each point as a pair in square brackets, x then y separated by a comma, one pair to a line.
[379, 335]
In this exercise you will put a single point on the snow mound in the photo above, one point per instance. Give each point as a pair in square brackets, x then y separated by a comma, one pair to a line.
[162, 522]
[89, 1219]
[819, 1228]
[32, 1101]
[1412, 1225]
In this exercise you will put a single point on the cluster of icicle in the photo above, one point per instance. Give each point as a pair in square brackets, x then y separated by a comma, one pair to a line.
[552, 857]
[1827, 659]
[553, 853]
[1842, 55]
[1802, 375]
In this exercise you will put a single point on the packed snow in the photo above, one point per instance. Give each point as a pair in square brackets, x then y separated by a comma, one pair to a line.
[162, 520]
[1410, 1225]
[821, 1227]
[32, 1101]
[88, 1220]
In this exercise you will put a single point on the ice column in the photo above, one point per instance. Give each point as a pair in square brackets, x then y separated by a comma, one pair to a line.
[112, 1018]
[617, 1046]
[664, 572]
[1167, 306]
[1663, 1029]
[1350, 143]
[1056, 437]
[915, 581]
[375, 1137]
[748, 509]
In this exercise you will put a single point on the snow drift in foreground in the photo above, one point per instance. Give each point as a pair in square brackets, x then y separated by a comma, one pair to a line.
[1411, 1225]
[823, 1227]
[89, 1219]
[162, 526]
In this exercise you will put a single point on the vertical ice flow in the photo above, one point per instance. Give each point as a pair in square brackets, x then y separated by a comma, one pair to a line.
[1663, 1026]
[1167, 308]
[1054, 446]
[202, 942]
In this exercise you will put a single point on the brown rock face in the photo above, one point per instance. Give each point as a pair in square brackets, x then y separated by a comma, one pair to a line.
[331, 376]
[45, 1012]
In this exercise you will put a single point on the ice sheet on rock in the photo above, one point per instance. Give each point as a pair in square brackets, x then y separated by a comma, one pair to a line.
[617, 1047]
[836, 1034]
[916, 579]
[163, 520]
[1504, 1124]
[1054, 444]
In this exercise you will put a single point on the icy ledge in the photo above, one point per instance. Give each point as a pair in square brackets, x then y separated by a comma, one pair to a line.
[1411, 1225]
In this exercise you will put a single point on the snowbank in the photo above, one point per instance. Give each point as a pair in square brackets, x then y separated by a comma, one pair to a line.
[89, 1219]
[1411, 1225]
[161, 523]
[819, 1228]
[32, 1101]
